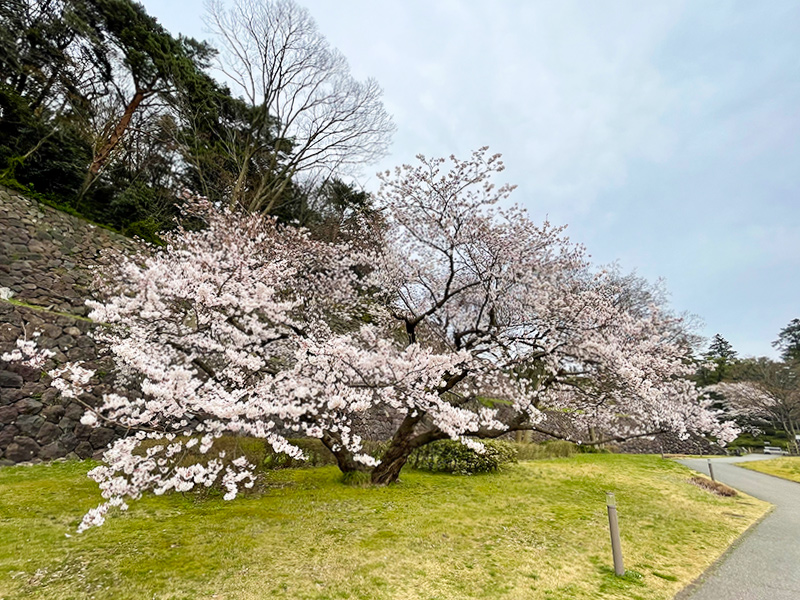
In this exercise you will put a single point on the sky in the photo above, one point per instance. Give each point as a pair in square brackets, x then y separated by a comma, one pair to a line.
[666, 135]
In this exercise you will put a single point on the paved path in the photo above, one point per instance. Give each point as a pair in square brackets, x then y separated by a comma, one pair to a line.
[766, 564]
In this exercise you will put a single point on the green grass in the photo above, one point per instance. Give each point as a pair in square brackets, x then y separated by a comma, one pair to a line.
[554, 449]
[536, 530]
[787, 467]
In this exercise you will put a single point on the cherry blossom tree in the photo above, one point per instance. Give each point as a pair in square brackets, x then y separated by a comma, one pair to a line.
[203, 334]
[471, 321]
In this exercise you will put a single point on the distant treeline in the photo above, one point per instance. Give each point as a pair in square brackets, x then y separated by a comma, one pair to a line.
[107, 114]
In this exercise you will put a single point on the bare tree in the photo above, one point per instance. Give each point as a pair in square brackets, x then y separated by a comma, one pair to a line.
[310, 115]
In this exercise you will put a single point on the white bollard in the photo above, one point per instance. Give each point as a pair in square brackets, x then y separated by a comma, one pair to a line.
[613, 525]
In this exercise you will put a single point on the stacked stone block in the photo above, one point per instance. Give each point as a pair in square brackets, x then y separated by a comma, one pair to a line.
[45, 266]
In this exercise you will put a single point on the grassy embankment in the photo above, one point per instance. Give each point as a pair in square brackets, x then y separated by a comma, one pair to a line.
[537, 530]
[787, 467]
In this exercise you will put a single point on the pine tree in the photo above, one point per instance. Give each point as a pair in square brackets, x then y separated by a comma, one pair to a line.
[788, 341]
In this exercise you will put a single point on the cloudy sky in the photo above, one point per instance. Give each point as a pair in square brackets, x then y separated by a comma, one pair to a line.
[666, 134]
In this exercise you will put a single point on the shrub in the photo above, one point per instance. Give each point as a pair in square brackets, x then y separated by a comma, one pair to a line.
[552, 449]
[587, 449]
[147, 229]
[450, 456]
[442, 456]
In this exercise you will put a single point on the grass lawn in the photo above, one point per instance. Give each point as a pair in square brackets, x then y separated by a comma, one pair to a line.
[787, 467]
[538, 530]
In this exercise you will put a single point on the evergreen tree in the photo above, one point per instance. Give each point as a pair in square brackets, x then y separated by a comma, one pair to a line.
[719, 361]
[154, 62]
[52, 69]
[788, 341]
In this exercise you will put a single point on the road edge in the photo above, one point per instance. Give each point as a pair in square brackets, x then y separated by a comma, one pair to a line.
[691, 587]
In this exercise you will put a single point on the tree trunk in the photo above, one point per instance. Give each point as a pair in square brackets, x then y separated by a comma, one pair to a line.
[237, 195]
[344, 458]
[102, 156]
[792, 433]
[400, 448]
[267, 197]
[392, 462]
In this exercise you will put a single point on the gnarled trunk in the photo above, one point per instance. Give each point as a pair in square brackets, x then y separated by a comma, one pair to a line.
[402, 444]
[392, 462]
[396, 456]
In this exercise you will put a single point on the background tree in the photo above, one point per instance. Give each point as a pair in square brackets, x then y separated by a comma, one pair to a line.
[213, 125]
[51, 70]
[719, 362]
[50, 54]
[78, 77]
[768, 391]
[154, 63]
[105, 112]
[788, 341]
[307, 114]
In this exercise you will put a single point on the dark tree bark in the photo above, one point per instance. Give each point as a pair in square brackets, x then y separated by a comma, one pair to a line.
[104, 153]
[344, 458]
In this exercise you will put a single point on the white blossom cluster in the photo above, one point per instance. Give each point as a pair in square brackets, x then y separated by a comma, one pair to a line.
[28, 353]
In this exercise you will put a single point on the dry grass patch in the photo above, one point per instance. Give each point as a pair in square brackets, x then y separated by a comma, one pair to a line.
[720, 489]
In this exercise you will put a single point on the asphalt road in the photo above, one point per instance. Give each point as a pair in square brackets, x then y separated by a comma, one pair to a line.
[766, 563]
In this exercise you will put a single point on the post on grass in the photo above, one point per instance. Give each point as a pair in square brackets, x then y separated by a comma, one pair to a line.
[710, 470]
[613, 525]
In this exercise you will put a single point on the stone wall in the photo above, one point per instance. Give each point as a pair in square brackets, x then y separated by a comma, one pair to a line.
[45, 257]
[670, 444]
[45, 253]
